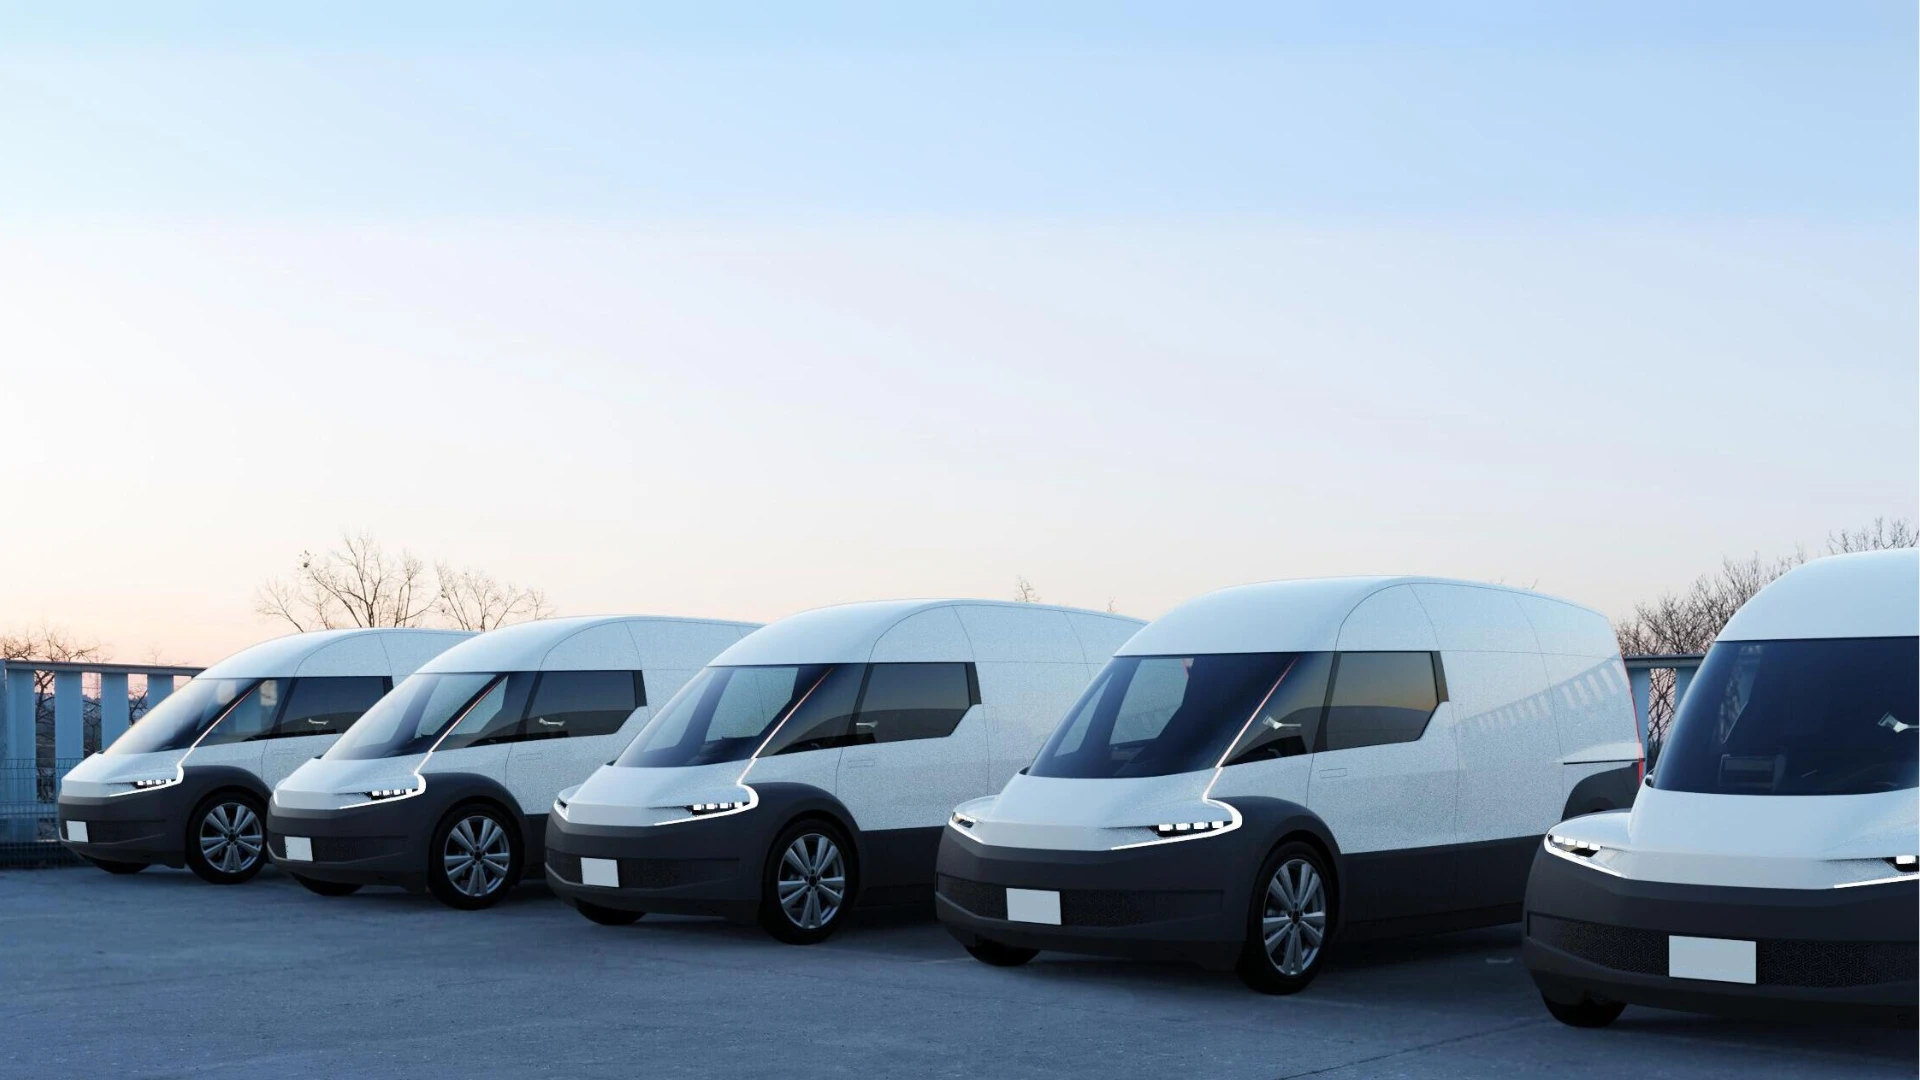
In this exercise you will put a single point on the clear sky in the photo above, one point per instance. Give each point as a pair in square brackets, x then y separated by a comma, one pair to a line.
[738, 309]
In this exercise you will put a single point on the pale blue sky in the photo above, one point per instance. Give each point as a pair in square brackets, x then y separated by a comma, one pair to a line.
[733, 310]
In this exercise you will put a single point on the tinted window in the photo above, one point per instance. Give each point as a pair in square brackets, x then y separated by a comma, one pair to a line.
[1288, 722]
[1380, 697]
[582, 703]
[913, 701]
[1158, 715]
[1817, 717]
[495, 717]
[178, 720]
[824, 717]
[327, 706]
[251, 717]
[725, 713]
[411, 718]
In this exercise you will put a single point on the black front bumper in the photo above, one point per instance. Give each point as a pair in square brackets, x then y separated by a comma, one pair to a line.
[383, 844]
[145, 827]
[707, 867]
[1843, 950]
[1181, 901]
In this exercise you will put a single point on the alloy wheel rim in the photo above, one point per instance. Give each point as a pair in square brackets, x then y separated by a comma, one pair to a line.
[231, 837]
[477, 856]
[812, 881]
[1293, 916]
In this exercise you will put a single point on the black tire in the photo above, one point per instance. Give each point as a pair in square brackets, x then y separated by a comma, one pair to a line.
[327, 888]
[993, 952]
[472, 894]
[210, 820]
[116, 867]
[607, 916]
[1588, 1012]
[774, 917]
[1258, 967]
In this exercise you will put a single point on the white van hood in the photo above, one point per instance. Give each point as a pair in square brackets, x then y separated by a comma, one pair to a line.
[328, 784]
[102, 775]
[620, 795]
[1753, 841]
[1089, 815]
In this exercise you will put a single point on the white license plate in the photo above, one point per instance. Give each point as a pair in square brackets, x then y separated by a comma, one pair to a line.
[1033, 905]
[299, 848]
[77, 831]
[602, 872]
[1712, 959]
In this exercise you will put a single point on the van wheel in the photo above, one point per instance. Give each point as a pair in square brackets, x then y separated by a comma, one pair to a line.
[808, 881]
[1288, 921]
[993, 952]
[327, 888]
[227, 838]
[607, 916]
[116, 867]
[474, 857]
[1588, 1012]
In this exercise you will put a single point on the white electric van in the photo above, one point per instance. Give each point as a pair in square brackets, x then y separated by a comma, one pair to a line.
[812, 766]
[1268, 767]
[187, 784]
[1769, 865]
[444, 785]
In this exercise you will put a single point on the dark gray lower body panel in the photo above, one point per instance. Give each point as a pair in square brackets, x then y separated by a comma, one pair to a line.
[1848, 951]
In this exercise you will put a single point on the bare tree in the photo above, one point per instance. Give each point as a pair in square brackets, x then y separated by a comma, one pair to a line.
[1024, 592]
[57, 645]
[1880, 536]
[473, 600]
[1687, 622]
[356, 584]
[1112, 607]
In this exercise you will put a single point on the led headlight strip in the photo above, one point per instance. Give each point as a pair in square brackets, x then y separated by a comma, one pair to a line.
[1580, 852]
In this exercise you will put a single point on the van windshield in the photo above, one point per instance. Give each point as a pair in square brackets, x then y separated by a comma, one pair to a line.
[1811, 717]
[411, 717]
[1160, 715]
[725, 713]
[182, 717]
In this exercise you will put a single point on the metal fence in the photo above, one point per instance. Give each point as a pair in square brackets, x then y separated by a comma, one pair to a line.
[52, 714]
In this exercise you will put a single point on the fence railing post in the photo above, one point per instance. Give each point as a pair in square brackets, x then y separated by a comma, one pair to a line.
[116, 711]
[69, 716]
[158, 687]
[1641, 680]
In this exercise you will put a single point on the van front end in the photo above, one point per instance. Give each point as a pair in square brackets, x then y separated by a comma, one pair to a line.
[355, 823]
[1609, 922]
[127, 811]
[1185, 900]
[672, 841]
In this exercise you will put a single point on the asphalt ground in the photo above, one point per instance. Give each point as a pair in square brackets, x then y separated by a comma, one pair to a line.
[160, 975]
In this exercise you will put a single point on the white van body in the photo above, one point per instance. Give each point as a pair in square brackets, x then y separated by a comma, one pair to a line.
[240, 725]
[1780, 817]
[491, 741]
[1427, 825]
[1006, 670]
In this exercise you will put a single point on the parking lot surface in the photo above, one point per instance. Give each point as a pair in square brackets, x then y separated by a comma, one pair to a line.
[159, 975]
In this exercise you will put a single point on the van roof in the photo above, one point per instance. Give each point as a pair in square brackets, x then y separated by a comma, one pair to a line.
[1867, 594]
[394, 652]
[594, 642]
[934, 630]
[1309, 615]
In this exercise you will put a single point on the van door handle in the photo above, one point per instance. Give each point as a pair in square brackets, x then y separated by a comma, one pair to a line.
[859, 762]
[1332, 774]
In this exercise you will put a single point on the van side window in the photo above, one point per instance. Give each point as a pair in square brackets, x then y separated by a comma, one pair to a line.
[914, 701]
[1380, 697]
[822, 717]
[1288, 722]
[328, 706]
[495, 716]
[251, 717]
[580, 703]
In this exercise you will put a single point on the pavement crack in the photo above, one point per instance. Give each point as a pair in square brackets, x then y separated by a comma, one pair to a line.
[1389, 1055]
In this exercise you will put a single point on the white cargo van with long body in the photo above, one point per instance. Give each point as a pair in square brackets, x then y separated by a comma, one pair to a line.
[814, 764]
[1266, 767]
[188, 783]
[445, 784]
[1772, 862]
